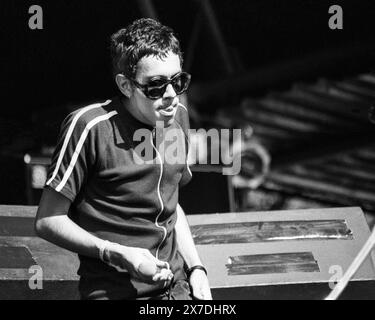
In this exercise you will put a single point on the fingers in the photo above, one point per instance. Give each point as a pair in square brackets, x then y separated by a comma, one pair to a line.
[163, 275]
[164, 272]
[161, 264]
[154, 269]
[146, 267]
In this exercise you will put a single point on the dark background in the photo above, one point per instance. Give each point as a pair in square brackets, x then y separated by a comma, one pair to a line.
[45, 72]
[68, 61]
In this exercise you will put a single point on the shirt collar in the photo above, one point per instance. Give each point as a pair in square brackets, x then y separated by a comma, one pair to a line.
[124, 131]
[127, 117]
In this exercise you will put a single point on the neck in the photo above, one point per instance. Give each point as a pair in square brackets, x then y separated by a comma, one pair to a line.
[133, 110]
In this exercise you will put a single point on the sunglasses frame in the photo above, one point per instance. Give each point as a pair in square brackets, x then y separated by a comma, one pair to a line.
[145, 87]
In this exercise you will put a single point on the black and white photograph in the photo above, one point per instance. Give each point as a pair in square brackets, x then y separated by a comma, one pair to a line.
[204, 151]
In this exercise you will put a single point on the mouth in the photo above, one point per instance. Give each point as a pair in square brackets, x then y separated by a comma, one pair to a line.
[168, 111]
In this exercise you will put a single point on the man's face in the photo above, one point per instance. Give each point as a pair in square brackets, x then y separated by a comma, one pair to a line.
[163, 109]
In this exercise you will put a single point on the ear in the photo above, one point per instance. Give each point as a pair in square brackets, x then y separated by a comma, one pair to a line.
[124, 85]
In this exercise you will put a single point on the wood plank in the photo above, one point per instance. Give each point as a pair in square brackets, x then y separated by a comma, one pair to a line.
[278, 103]
[367, 154]
[261, 128]
[353, 160]
[349, 95]
[329, 199]
[57, 263]
[283, 110]
[281, 121]
[325, 188]
[337, 168]
[254, 232]
[272, 263]
[17, 226]
[319, 105]
[326, 252]
[340, 105]
[319, 173]
[336, 89]
[358, 87]
[368, 77]
[12, 257]
[316, 151]
[342, 90]
[18, 211]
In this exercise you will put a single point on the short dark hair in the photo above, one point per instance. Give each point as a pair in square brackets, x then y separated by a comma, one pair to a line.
[144, 37]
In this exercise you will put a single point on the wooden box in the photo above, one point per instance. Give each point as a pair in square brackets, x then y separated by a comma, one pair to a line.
[259, 255]
[283, 254]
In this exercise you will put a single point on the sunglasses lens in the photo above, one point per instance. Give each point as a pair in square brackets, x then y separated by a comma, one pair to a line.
[181, 82]
[155, 92]
[156, 89]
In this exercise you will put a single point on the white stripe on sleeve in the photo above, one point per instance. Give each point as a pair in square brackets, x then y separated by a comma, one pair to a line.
[80, 143]
[69, 134]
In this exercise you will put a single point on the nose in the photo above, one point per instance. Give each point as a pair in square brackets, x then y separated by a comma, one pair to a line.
[169, 92]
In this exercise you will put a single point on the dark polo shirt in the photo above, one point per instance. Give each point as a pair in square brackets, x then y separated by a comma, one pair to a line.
[123, 188]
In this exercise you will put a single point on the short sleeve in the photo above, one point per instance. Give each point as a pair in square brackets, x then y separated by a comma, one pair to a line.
[72, 157]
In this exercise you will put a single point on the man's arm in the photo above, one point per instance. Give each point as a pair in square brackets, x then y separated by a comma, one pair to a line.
[198, 279]
[53, 224]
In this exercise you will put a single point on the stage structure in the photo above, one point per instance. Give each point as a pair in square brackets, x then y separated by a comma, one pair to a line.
[248, 255]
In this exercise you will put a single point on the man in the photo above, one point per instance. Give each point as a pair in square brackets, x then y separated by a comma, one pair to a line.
[115, 203]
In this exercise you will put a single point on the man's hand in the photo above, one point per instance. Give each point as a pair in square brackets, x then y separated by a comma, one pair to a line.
[139, 262]
[199, 285]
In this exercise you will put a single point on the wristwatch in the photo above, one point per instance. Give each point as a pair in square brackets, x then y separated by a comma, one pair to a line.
[200, 267]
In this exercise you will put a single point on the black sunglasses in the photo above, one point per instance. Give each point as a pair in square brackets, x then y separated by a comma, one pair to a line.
[156, 87]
